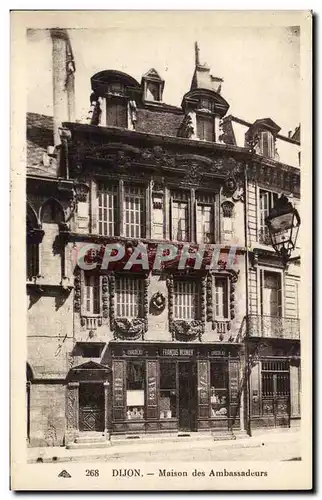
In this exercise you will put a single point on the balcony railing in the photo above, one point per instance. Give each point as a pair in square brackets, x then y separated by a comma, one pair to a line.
[274, 327]
[264, 237]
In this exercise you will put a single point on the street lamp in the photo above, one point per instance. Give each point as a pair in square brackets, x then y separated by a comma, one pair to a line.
[283, 223]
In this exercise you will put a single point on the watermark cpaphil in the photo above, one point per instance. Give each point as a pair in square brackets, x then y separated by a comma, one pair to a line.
[140, 256]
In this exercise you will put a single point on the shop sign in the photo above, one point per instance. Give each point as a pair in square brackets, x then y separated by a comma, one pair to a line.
[177, 352]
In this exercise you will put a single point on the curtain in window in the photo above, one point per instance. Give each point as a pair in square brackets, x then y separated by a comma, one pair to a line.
[186, 300]
[107, 209]
[128, 292]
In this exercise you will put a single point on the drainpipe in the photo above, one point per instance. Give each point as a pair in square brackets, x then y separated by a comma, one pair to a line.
[247, 384]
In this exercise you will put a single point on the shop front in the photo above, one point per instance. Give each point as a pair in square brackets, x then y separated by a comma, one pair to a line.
[179, 388]
[275, 384]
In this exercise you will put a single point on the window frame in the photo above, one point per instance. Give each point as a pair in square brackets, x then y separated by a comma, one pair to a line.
[226, 298]
[260, 275]
[209, 203]
[174, 198]
[139, 292]
[262, 228]
[85, 312]
[194, 295]
[206, 116]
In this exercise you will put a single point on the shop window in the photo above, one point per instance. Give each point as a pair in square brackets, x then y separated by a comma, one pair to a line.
[134, 211]
[267, 200]
[205, 219]
[91, 294]
[106, 209]
[168, 389]
[221, 298]
[129, 297]
[219, 389]
[179, 216]
[135, 389]
[186, 300]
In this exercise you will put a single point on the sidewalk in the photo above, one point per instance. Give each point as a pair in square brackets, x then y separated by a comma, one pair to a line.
[260, 438]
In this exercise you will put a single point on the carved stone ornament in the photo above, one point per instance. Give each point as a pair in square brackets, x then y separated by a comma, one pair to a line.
[129, 329]
[77, 292]
[157, 303]
[81, 191]
[227, 208]
[187, 330]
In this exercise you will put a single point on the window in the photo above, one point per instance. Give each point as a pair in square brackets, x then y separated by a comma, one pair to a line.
[91, 294]
[186, 299]
[153, 91]
[206, 104]
[106, 209]
[180, 216]
[116, 113]
[92, 350]
[221, 297]
[116, 88]
[168, 393]
[205, 128]
[129, 295]
[135, 388]
[275, 378]
[267, 145]
[205, 219]
[267, 200]
[271, 294]
[134, 212]
[218, 388]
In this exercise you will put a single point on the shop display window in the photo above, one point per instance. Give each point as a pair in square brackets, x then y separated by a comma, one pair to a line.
[218, 389]
[135, 388]
[168, 390]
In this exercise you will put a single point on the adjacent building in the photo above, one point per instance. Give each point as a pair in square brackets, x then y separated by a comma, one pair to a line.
[124, 350]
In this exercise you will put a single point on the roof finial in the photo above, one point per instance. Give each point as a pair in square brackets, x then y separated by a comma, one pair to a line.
[197, 50]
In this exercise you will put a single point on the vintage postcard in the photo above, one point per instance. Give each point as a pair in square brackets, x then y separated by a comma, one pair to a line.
[161, 214]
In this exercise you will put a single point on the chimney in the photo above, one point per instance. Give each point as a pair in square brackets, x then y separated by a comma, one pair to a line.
[63, 80]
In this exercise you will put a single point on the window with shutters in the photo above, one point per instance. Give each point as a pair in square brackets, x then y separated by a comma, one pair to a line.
[271, 293]
[129, 297]
[107, 203]
[267, 200]
[205, 127]
[221, 298]
[205, 218]
[186, 300]
[267, 144]
[116, 113]
[180, 204]
[134, 211]
[91, 290]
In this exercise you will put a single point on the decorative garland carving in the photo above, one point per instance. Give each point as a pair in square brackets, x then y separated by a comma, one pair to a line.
[111, 279]
[157, 303]
[77, 291]
[105, 296]
[129, 329]
[187, 330]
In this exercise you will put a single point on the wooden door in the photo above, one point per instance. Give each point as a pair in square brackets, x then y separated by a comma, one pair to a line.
[91, 407]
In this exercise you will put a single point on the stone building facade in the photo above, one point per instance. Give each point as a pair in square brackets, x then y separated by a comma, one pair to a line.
[122, 350]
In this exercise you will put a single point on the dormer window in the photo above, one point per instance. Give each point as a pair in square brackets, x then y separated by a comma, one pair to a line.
[116, 88]
[205, 127]
[116, 112]
[153, 86]
[267, 144]
[153, 91]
